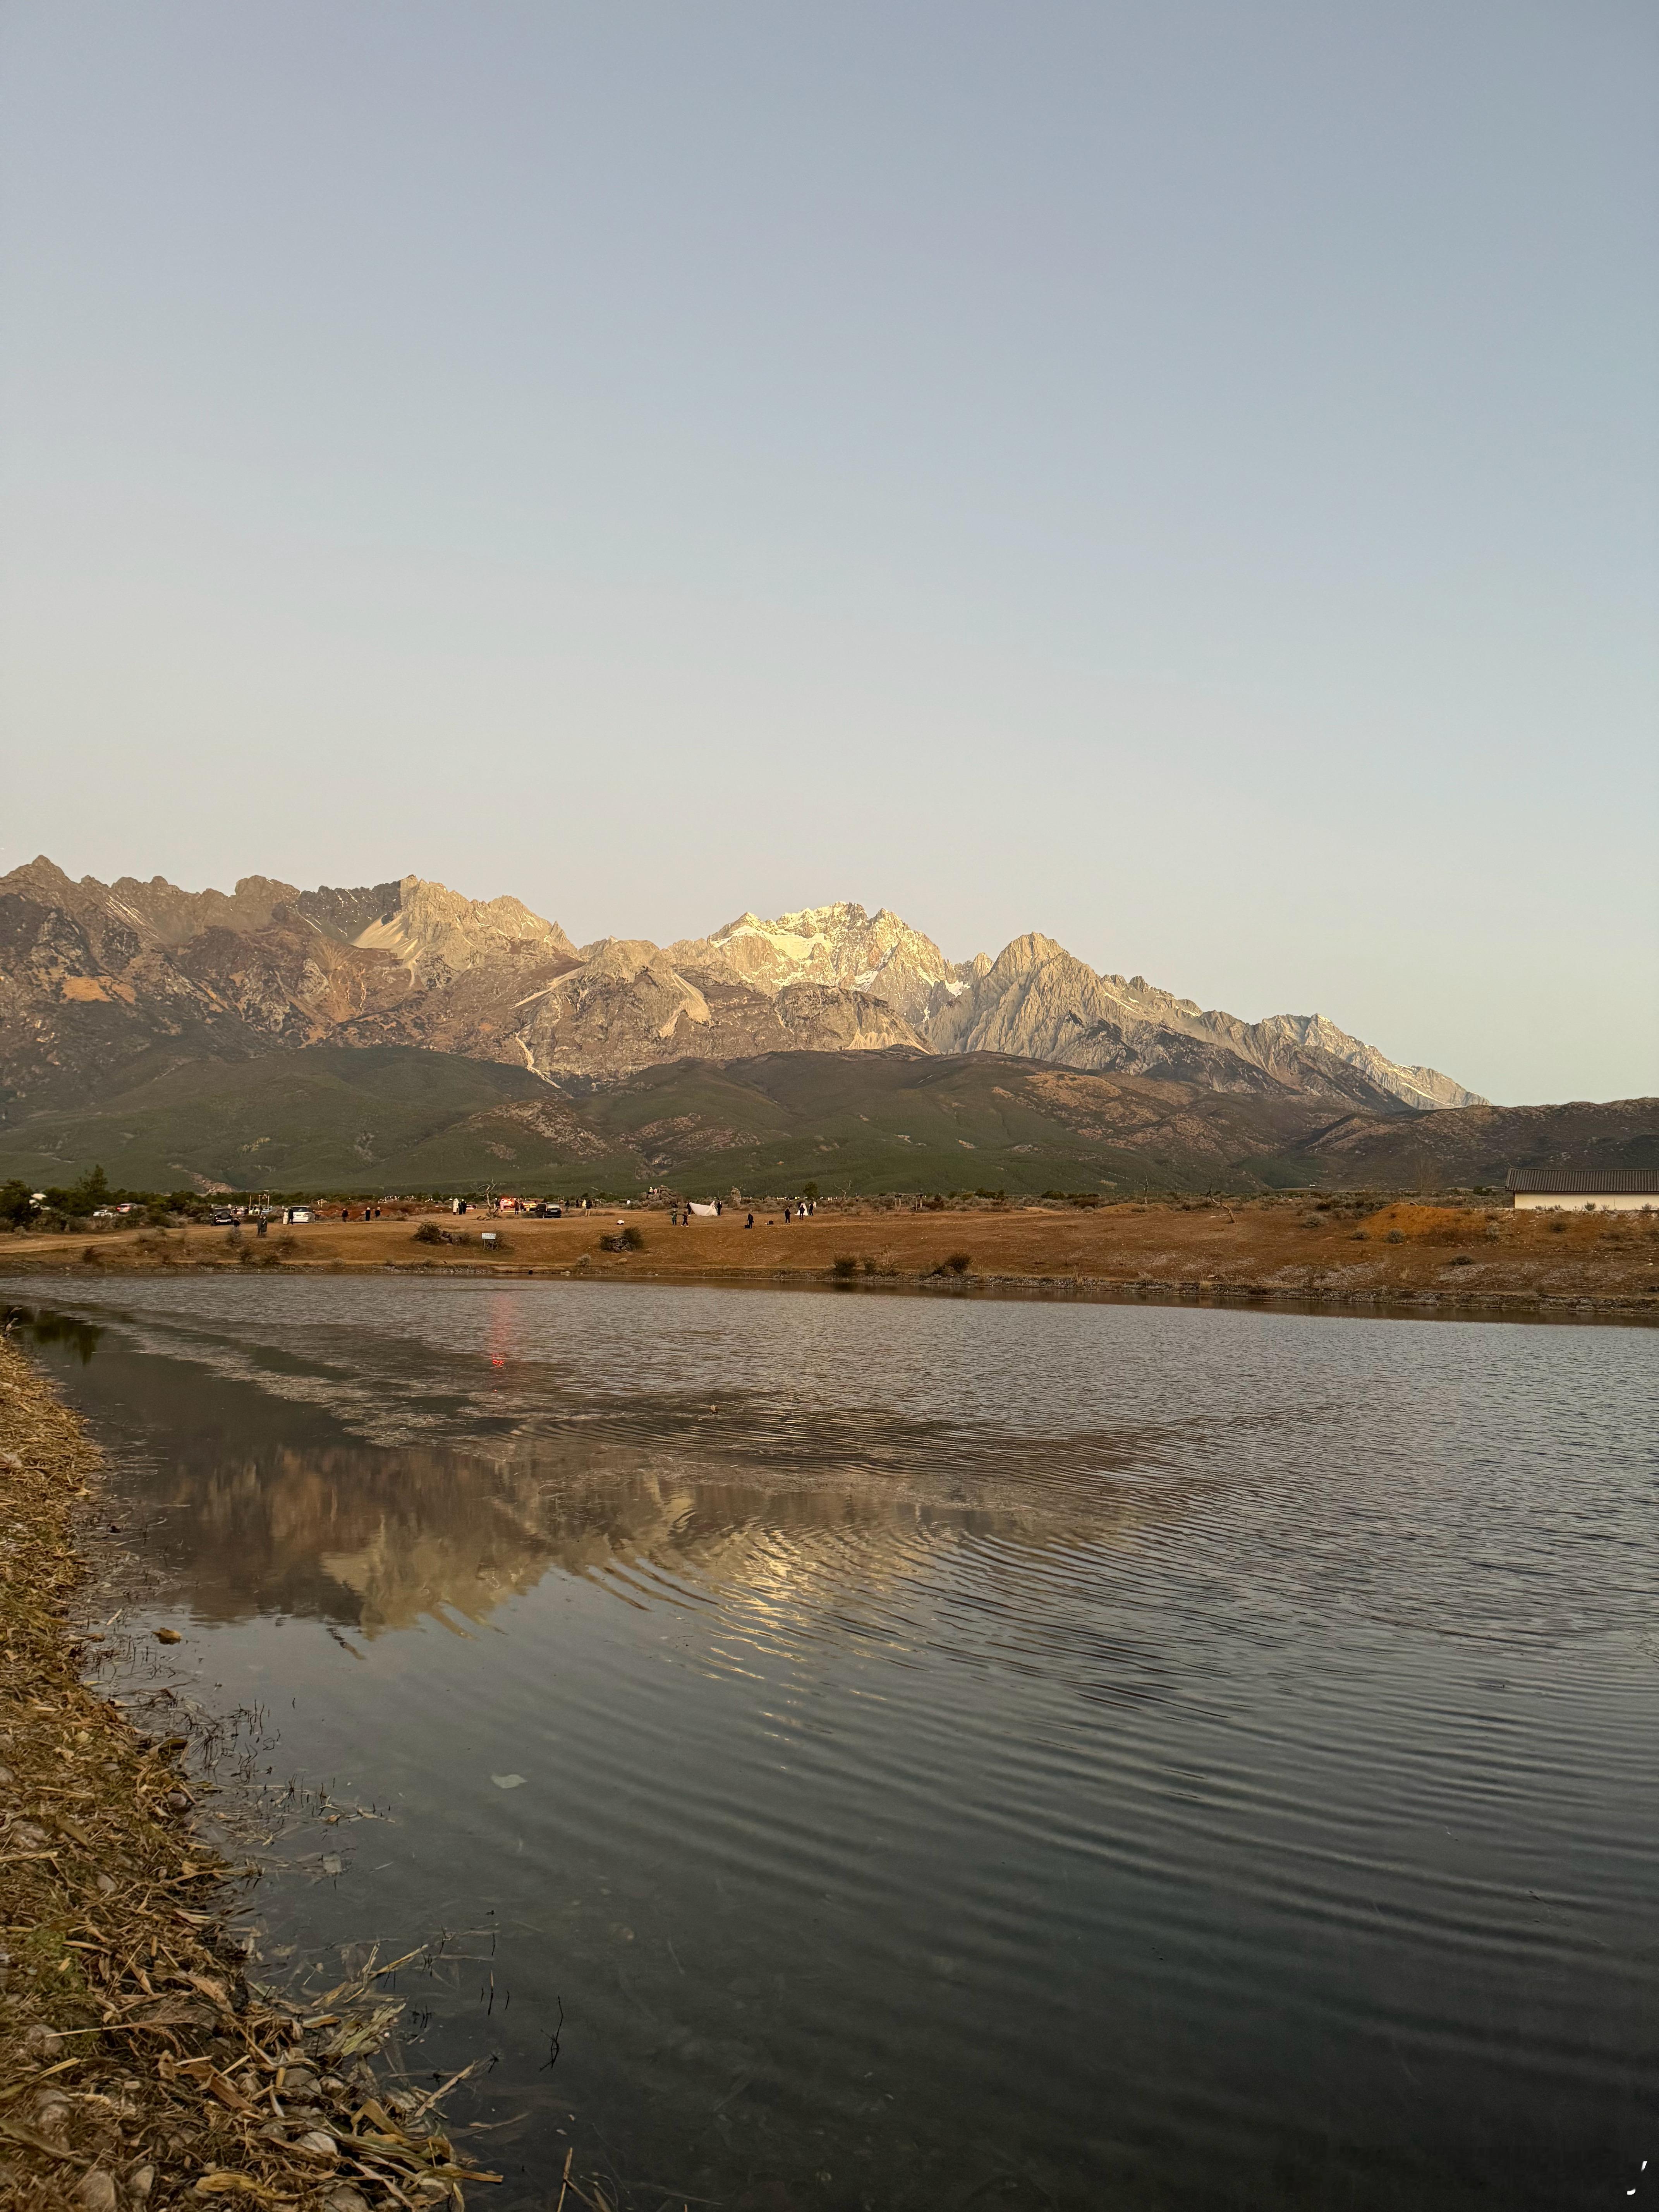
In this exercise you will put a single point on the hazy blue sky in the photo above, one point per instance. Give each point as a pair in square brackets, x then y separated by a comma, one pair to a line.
[1179, 476]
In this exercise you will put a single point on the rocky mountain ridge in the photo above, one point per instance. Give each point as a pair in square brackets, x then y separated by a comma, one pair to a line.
[120, 981]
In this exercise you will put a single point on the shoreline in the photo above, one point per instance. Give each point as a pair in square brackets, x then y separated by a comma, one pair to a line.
[140, 2066]
[1402, 1255]
[1636, 1309]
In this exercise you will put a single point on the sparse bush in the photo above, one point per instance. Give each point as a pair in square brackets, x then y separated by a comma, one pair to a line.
[429, 1233]
[1362, 1235]
[957, 1264]
[1396, 1236]
[1558, 1224]
[627, 1239]
[844, 1267]
[1461, 1260]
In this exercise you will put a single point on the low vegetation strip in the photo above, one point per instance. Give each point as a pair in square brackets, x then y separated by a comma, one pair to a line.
[139, 2066]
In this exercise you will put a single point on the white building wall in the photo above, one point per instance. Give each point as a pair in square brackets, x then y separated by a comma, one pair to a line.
[1618, 1201]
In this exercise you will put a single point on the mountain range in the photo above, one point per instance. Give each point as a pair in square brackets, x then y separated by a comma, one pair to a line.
[401, 1034]
[94, 976]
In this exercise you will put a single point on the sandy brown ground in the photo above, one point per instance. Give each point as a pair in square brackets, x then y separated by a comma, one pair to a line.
[1341, 1253]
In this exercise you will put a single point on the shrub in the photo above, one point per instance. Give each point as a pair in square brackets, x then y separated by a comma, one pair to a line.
[627, 1239]
[1461, 1260]
[17, 1203]
[843, 1266]
[1558, 1224]
[1396, 1236]
[959, 1264]
[429, 1233]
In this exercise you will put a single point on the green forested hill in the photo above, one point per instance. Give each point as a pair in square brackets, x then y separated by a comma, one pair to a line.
[394, 1118]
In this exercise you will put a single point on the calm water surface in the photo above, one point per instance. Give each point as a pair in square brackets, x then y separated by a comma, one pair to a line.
[971, 1753]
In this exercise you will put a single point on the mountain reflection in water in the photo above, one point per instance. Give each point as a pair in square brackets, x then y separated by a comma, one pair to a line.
[962, 1755]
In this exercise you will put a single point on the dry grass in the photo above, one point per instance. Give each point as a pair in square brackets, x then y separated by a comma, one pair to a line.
[138, 2067]
[1335, 1252]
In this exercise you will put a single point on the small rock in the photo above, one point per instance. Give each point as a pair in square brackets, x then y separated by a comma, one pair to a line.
[317, 2144]
[332, 2085]
[298, 2086]
[96, 2190]
[106, 1886]
[52, 2112]
[332, 1864]
[179, 1800]
[42, 2042]
[168, 1636]
[140, 2182]
[345, 2198]
[402, 2101]
[26, 1832]
[10, 1462]
[7, 1777]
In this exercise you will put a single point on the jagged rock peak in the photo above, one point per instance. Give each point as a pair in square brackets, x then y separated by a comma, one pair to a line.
[432, 925]
[842, 946]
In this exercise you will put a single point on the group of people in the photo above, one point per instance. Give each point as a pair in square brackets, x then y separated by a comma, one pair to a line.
[795, 1209]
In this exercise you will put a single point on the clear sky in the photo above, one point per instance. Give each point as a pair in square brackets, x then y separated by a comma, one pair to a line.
[1179, 476]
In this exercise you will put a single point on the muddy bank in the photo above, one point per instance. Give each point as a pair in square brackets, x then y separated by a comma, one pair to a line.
[140, 2066]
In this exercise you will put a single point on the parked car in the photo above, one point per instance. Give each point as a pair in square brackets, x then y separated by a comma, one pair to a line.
[223, 1218]
[296, 1213]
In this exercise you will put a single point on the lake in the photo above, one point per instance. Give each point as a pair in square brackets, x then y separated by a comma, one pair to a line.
[933, 1753]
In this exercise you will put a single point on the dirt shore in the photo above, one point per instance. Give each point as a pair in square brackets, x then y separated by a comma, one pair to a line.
[139, 2067]
[1459, 1257]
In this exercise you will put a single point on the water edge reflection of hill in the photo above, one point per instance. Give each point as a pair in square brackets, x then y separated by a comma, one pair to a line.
[269, 1507]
